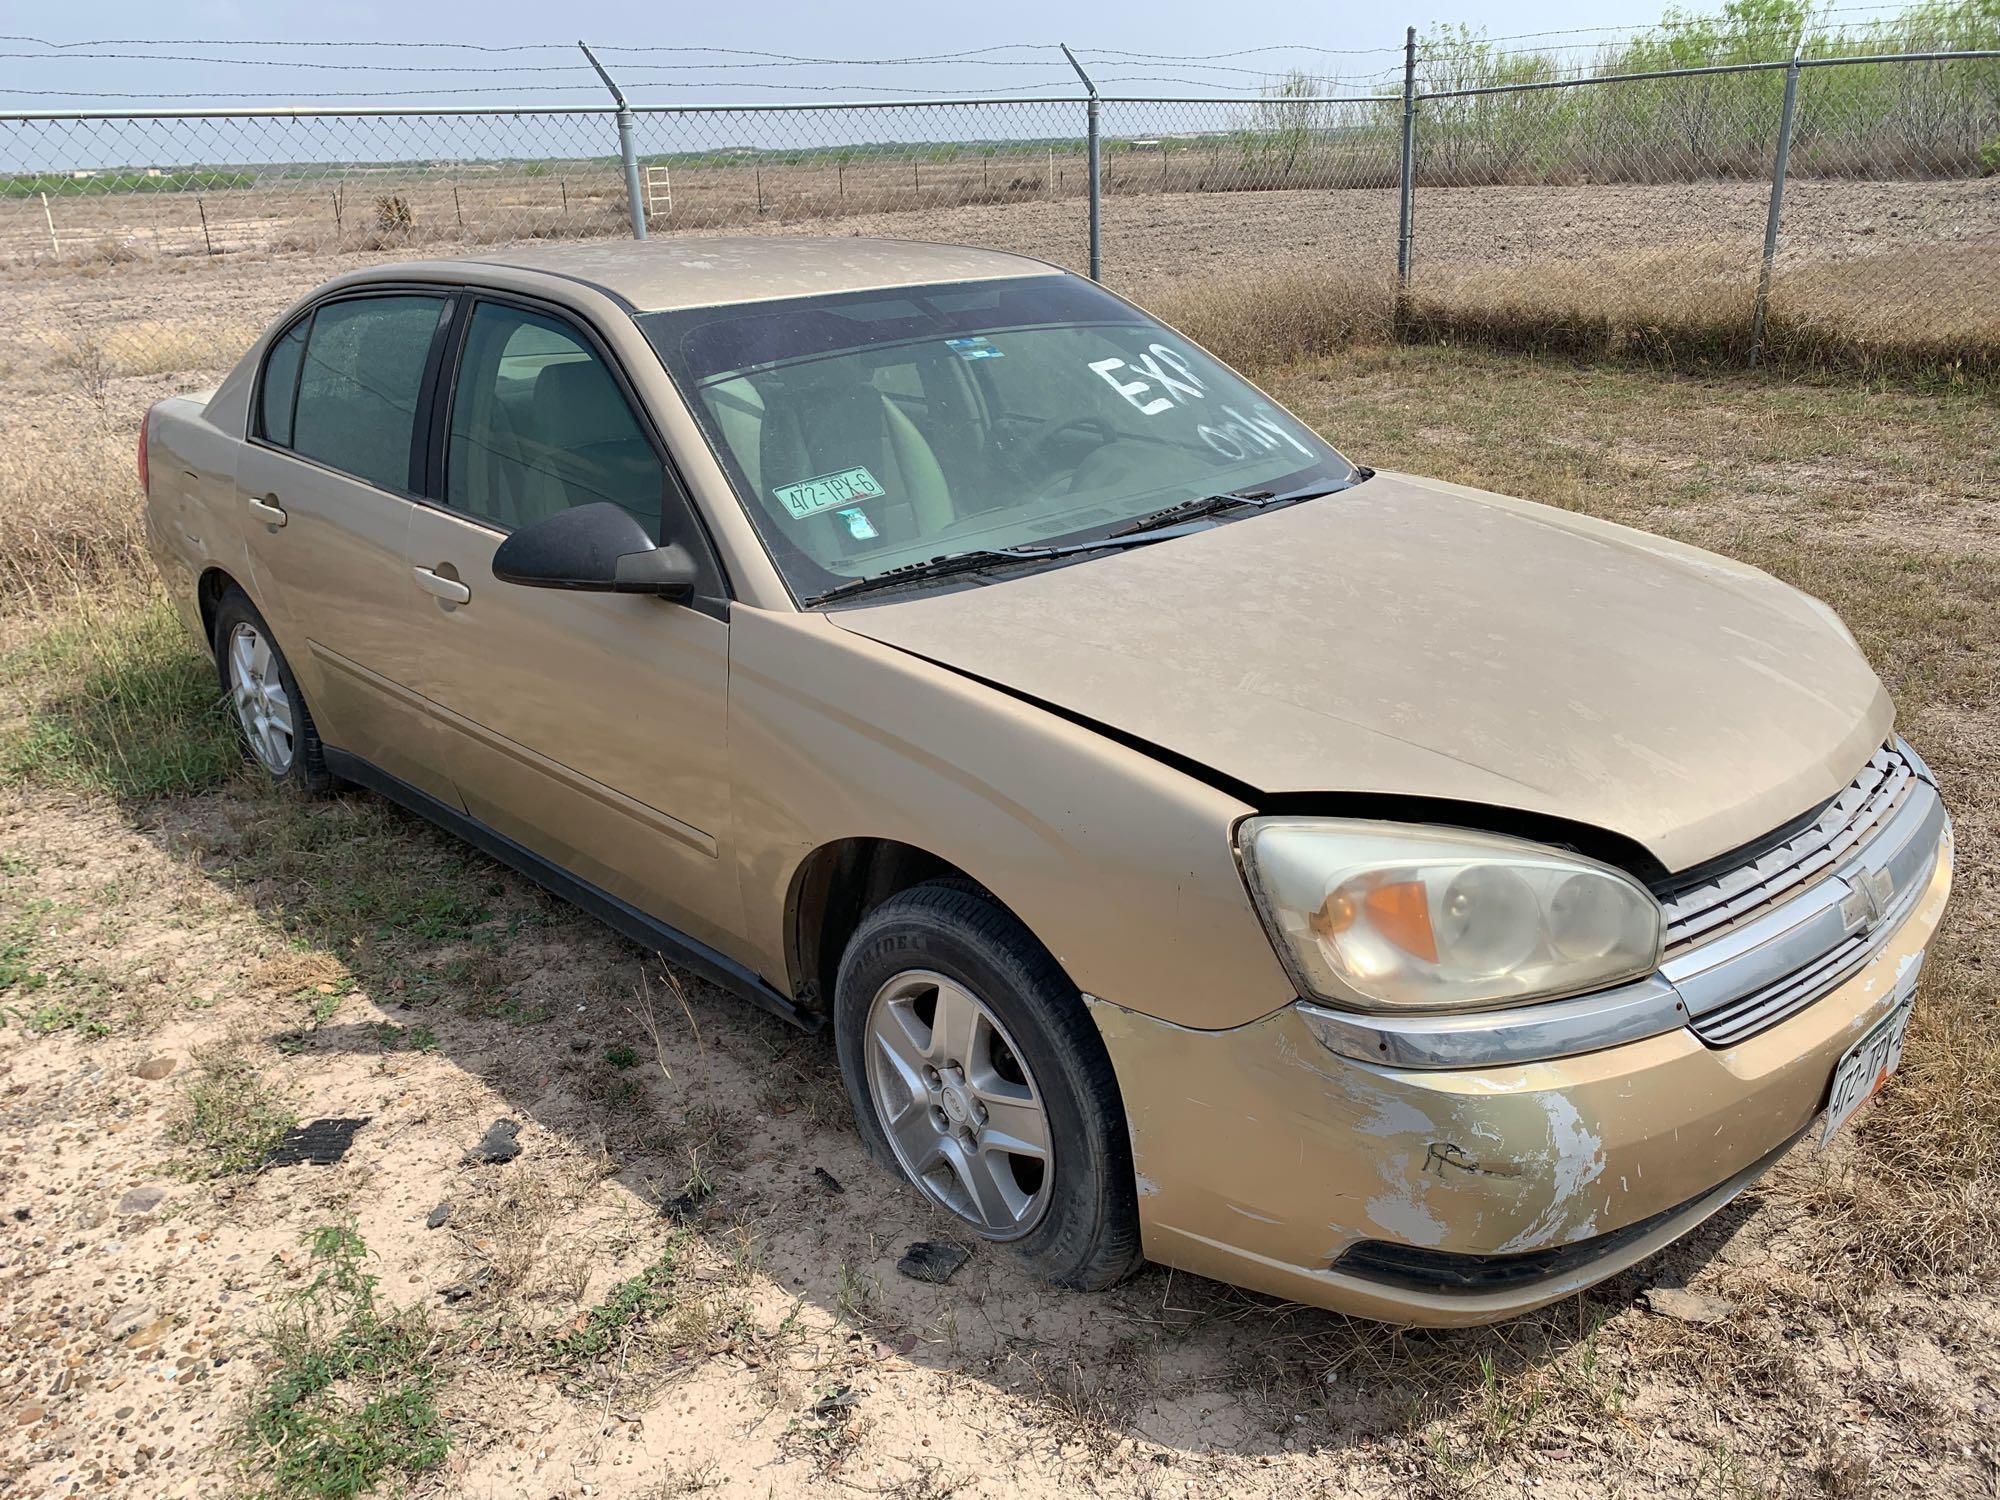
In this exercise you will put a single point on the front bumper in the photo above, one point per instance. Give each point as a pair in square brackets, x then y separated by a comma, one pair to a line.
[1263, 1158]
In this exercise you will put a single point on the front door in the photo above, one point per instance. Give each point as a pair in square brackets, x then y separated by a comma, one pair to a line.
[590, 728]
[325, 483]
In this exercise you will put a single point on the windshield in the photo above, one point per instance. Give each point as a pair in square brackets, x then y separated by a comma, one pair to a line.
[868, 431]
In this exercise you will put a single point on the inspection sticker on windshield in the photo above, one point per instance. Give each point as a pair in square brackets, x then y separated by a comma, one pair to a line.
[825, 491]
[976, 347]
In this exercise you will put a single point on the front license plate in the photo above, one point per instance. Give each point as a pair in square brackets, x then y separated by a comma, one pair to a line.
[1866, 1067]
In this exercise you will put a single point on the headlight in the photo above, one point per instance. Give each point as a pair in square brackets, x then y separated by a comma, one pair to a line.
[1385, 916]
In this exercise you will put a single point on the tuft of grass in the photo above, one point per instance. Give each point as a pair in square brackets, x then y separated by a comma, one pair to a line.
[1506, 1408]
[632, 1304]
[19, 975]
[352, 1400]
[227, 1118]
[68, 1015]
[119, 702]
[396, 1038]
[619, 1055]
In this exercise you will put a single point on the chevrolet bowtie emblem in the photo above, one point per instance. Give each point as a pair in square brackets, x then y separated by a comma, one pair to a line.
[1867, 900]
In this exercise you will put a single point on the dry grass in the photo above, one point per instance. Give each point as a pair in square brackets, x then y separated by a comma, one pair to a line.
[69, 512]
[149, 346]
[1878, 499]
[1682, 309]
[1260, 321]
[1694, 308]
[1883, 504]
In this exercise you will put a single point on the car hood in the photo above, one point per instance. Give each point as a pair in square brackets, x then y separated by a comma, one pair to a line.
[1414, 638]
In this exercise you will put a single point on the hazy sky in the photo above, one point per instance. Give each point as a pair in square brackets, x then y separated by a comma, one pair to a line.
[885, 28]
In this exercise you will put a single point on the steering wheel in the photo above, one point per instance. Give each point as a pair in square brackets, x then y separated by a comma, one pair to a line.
[1059, 450]
[1098, 429]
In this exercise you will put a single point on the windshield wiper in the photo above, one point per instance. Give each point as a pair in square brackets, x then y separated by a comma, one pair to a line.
[971, 560]
[1156, 527]
[1209, 505]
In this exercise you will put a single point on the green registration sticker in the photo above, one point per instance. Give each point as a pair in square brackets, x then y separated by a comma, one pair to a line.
[825, 491]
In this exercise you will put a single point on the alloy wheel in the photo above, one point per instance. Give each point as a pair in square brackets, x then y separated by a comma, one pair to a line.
[263, 707]
[958, 1104]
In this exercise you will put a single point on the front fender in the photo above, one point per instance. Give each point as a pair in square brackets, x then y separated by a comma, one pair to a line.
[1123, 867]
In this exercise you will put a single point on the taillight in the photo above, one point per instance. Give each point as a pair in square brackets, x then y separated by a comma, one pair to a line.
[145, 422]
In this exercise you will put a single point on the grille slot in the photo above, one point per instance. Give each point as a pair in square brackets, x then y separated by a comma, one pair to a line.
[1751, 1013]
[1701, 909]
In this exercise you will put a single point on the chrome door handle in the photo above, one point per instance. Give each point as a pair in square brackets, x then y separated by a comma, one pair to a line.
[448, 589]
[268, 510]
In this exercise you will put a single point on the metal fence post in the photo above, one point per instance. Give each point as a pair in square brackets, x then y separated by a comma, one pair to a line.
[634, 195]
[1096, 187]
[1779, 166]
[1407, 186]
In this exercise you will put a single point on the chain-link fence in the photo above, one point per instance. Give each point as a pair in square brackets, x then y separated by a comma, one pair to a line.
[1829, 202]
[1830, 207]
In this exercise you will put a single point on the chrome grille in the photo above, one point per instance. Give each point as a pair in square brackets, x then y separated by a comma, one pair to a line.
[1749, 1014]
[1766, 1007]
[1699, 911]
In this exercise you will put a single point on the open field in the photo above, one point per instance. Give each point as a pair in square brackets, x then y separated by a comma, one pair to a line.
[666, 1292]
[1871, 274]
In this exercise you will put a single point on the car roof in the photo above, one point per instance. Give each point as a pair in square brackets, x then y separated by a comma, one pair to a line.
[659, 275]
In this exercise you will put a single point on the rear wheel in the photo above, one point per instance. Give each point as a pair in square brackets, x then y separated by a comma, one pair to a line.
[272, 720]
[977, 1076]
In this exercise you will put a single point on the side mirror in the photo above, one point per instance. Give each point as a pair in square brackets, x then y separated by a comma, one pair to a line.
[597, 548]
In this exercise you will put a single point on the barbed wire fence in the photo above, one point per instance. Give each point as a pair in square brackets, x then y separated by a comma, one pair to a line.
[1837, 197]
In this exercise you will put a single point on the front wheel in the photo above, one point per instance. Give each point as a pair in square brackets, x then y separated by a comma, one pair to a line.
[977, 1076]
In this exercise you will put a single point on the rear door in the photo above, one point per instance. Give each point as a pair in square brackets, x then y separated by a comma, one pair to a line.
[591, 728]
[328, 483]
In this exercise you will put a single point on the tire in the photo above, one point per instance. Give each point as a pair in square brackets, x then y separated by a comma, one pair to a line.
[1080, 1226]
[261, 693]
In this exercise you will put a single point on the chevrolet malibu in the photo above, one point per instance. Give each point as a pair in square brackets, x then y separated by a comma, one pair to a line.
[1201, 847]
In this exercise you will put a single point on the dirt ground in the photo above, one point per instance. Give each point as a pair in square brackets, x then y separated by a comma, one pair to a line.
[180, 975]
[1934, 247]
[799, 1361]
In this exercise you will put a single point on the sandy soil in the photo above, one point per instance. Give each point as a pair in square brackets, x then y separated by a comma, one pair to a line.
[136, 1300]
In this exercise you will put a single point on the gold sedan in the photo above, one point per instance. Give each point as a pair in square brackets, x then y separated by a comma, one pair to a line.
[1201, 846]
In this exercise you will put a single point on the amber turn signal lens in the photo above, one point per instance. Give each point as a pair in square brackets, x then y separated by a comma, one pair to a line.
[1401, 912]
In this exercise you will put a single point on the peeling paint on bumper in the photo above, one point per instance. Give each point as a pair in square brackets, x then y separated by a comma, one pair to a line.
[1269, 1156]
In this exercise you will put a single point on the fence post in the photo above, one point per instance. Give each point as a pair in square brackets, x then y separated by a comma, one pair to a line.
[634, 196]
[1096, 188]
[1406, 189]
[1779, 166]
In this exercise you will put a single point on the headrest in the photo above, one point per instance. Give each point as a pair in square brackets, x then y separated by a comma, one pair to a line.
[578, 405]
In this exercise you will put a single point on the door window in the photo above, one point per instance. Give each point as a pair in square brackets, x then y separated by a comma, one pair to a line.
[359, 386]
[540, 424]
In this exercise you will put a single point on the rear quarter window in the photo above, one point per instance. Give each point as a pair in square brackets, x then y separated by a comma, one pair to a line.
[281, 385]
